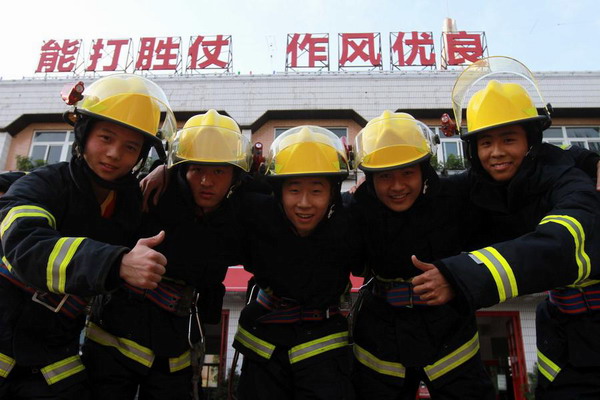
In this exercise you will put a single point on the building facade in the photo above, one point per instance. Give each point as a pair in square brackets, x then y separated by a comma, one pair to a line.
[31, 126]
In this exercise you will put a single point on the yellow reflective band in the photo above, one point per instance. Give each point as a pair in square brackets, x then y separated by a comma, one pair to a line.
[584, 283]
[257, 345]
[547, 368]
[128, 348]
[181, 362]
[62, 369]
[318, 346]
[500, 269]
[376, 364]
[24, 212]
[56, 272]
[454, 359]
[6, 365]
[576, 230]
[5, 262]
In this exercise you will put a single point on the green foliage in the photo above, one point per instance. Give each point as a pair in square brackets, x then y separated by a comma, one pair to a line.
[530, 394]
[435, 163]
[454, 162]
[27, 164]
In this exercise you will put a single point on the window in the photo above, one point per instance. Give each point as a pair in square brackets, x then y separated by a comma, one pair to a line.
[52, 146]
[279, 131]
[340, 132]
[448, 146]
[583, 136]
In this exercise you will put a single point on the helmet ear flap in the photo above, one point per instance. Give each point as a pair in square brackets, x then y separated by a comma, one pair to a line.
[81, 129]
[547, 123]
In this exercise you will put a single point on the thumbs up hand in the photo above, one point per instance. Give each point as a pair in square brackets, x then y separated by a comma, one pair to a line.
[143, 267]
[431, 285]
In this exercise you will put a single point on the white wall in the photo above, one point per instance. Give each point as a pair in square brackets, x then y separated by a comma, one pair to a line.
[5, 140]
[526, 307]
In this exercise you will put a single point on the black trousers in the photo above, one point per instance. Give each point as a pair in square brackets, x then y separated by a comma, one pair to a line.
[113, 379]
[325, 378]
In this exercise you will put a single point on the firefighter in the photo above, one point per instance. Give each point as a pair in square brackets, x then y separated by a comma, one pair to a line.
[68, 233]
[301, 251]
[538, 228]
[153, 340]
[403, 209]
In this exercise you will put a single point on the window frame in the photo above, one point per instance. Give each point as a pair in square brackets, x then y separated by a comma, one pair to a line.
[65, 144]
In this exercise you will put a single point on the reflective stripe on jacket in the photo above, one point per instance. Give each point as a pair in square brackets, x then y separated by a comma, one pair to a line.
[369, 360]
[547, 367]
[454, 359]
[433, 371]
[133, 350]
[297, 353]
[6, 365]
[62, 369]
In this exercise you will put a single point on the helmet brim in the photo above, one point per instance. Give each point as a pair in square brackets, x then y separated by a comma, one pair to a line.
[419, 160]
[541, 119]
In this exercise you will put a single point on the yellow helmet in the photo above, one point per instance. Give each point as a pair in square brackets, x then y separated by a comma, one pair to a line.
[211, 138]
[393, 140]
[500, 104]
[132, 101]
[307, 150]
[500, 92]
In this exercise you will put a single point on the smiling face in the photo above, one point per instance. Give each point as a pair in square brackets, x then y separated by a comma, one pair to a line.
[209, 184]
[306, 201]
[398, 188]
[502, 150]
[112, 150]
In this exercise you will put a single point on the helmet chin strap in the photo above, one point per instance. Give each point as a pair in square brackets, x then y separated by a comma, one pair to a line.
[425, 187]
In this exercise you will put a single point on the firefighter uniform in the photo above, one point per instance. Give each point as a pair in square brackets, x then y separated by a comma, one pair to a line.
[552, 211]
[293, 335]
[152, 327]
[56, 247]
[538, 230]
[153, 338]
[398, 340]
[60, 246]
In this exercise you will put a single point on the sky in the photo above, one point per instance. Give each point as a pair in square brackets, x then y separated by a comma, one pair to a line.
[552, 35]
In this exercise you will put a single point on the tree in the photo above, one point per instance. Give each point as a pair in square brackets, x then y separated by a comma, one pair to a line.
[454, 162]
[25, 163]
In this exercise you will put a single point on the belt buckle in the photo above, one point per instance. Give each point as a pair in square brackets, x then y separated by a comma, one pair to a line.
[410, 295]
[39, 299]
[285, 302]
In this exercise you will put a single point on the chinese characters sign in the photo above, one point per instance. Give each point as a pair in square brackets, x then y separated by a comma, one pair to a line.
[360, 50]
[412, 48]
[153, 54]
[407, 49]
[59, 57]
[209, 52]
[303, 51]
[462, 47]
[307, 50]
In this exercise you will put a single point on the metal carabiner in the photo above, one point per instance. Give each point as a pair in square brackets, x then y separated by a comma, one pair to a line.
[194, 314]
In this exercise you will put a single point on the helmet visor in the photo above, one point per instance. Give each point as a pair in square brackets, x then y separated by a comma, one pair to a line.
[393, 142]
[477, 75]
[307, 150]
[132, 101]
[211, 145]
